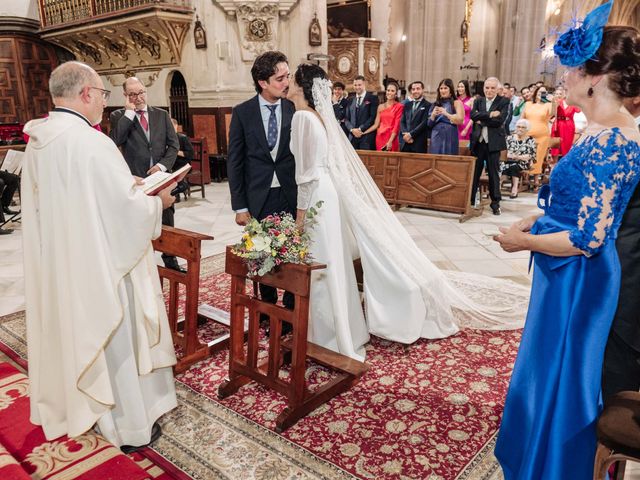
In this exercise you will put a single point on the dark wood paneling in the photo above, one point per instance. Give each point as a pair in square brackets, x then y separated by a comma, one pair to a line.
[212, 123]
[25, 66]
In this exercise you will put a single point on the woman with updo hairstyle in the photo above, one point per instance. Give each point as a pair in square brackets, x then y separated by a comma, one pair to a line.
[582, 280]
[387, 123]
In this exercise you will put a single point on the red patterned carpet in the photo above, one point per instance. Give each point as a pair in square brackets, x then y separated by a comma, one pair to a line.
[423, 411]
[427, 411]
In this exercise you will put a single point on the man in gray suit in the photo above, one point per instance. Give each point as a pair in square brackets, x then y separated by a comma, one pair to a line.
[148, 141]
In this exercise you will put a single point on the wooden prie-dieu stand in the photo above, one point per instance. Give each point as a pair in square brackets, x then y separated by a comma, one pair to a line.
[244, 367]
[187, 245]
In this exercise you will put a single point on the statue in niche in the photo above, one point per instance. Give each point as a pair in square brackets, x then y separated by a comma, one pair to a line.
[315, 32]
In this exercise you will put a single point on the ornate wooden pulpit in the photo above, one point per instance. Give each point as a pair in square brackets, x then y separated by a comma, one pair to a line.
[243, 364]
[187, 245]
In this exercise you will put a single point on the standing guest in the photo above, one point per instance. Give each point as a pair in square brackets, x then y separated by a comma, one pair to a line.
[148, 142]
[387, 123]
[262, 176]
[445, 115]
[518, 102]
[521, 151]
[99, 344]
[488, 139]
[361, 113]
[508, 94]
[340, 103]
[464, 96]
[621, 369]
[539, 113]
[413, 124]
[563, 126]
[9, 183]
[549, 424]
[185, 156]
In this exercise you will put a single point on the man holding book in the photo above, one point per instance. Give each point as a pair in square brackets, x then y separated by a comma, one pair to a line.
[148, 141]
[99, 344]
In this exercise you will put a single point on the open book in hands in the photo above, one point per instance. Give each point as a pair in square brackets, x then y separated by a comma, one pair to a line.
[158, 181]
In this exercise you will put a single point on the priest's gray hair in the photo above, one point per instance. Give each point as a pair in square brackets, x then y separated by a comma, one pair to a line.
[68, 79]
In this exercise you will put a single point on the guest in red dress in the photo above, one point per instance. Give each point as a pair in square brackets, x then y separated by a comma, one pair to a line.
[387, 121]
[563, 126]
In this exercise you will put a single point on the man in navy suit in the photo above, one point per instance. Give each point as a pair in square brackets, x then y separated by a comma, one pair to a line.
[361, 114]
[340, 104]
[413, 123]
[488, 139]
[148, 142]
[261, 168]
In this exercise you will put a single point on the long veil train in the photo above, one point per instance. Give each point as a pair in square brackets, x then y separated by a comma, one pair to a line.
[452, 300]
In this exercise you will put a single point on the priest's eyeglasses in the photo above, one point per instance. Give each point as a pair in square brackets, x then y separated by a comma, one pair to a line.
[105, 93]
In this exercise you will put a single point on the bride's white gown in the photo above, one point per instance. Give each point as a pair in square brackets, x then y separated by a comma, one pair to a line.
[406, 296]
[336, 317]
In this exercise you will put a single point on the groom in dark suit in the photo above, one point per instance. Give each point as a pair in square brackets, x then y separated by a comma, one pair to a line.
[147, 140]
[360, 115]
[413, 123]
[488, 139]
[261, 168]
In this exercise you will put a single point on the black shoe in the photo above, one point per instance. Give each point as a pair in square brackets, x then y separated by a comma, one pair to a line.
[172, 263]
[496, 210]
[156, 431]
[8, 211]
[513, 195]
[5, 231]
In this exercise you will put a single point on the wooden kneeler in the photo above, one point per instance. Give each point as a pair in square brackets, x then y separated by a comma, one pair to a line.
[244, 367]
[187, 245]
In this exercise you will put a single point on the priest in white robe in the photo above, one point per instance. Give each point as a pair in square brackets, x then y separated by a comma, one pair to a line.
[99, 345]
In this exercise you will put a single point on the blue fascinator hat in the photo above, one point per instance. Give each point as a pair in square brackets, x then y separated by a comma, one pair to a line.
[580, 43]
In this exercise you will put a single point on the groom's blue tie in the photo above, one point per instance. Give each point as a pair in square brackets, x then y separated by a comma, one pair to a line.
[272, 129]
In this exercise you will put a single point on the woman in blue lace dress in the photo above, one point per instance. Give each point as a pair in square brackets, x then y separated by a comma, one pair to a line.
[554, 399]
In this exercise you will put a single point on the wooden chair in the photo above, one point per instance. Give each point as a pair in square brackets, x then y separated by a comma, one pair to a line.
[618, 432]
[199, 175]
[243, 362]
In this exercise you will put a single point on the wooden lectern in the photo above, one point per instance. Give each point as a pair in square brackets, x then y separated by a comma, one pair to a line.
[185, 244]
[244, 367]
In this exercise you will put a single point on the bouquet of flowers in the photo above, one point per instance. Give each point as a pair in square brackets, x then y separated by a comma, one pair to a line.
[274, 241]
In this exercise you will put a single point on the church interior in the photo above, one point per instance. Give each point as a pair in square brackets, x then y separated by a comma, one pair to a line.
[429, 410]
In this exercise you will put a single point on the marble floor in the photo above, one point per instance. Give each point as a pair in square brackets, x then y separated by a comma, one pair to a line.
[447, 242]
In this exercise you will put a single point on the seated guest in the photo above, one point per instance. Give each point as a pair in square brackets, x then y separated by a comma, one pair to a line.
[9, 183]
[413, 123]
[521, 151]
[444, 117]
[340, 103]
[387, 123]
[360, 115]
[185, 155]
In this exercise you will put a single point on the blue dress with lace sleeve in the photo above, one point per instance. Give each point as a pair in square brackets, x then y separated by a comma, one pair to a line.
[554, 399]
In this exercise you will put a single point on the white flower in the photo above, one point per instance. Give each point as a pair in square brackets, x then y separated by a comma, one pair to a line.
[261, 244]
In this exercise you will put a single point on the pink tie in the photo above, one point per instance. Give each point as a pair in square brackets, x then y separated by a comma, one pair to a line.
[143, 120]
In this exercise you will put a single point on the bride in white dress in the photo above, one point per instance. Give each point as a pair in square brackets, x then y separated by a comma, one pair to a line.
[406, 296]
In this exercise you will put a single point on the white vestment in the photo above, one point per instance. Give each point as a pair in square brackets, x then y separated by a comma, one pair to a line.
[98, 338]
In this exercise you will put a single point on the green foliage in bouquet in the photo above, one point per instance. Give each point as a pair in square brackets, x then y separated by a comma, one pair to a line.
[274, 241]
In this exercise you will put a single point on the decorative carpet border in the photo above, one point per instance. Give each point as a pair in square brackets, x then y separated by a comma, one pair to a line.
[210, 441]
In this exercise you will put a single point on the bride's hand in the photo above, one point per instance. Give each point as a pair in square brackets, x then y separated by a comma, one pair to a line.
[300, 217]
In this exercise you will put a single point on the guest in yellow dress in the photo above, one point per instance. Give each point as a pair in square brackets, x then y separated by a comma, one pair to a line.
[539, 113]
